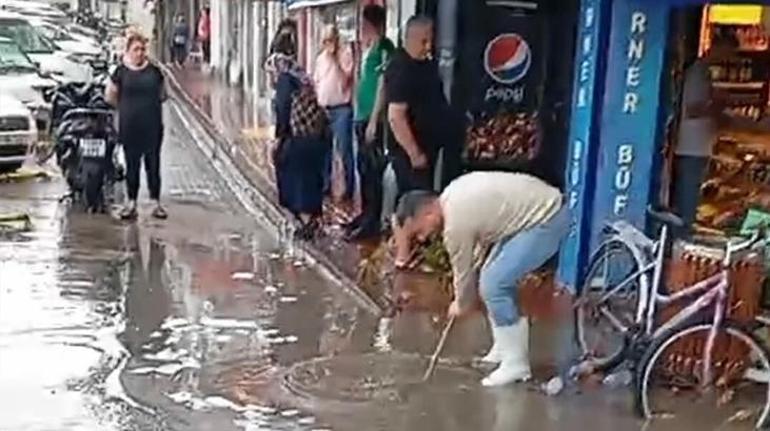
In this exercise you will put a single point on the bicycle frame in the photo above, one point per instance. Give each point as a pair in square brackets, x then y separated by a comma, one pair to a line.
[650, 274]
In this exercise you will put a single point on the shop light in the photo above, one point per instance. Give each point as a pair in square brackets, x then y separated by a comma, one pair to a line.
[735, 14]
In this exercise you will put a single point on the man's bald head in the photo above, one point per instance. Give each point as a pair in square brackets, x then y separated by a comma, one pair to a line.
[418, 39]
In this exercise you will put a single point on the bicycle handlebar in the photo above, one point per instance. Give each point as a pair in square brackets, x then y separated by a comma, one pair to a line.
[756, 238]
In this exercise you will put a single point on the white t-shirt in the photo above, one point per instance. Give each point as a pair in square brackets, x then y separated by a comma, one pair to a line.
[697, 136]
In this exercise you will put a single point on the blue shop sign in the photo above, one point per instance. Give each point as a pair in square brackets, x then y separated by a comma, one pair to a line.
[582, 137]
[630, 126]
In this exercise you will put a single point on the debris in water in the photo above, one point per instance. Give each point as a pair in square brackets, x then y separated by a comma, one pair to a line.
[168, 369]
[220, 402]
[269, 332]
[740, 416]
[176, 322]
[243, 276]
[167, 355]
[15, 222]
[726, 397]
[228, 323]
[261, 409]
[554, 386]
[619, 379]
[142, 371]
[198, 404]
[180, 397]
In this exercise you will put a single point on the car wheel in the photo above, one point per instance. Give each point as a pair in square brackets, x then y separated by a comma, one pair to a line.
[10, 167]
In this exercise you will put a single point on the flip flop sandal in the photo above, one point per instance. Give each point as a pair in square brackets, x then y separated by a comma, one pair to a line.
[159, 213]
[128, 214]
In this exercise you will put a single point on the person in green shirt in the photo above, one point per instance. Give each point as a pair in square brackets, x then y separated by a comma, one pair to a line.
[368, 122]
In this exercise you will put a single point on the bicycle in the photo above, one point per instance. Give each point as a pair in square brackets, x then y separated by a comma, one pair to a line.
[623, 307]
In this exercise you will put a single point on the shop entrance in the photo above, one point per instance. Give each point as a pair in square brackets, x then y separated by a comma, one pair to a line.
[717, 159]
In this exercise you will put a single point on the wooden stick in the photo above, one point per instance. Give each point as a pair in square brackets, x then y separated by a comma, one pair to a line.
[439, 348]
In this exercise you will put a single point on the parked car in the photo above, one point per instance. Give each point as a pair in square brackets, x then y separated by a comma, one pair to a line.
[80, 49]
[35, 9]
[42, 51]
[21, 79]
[18, 133]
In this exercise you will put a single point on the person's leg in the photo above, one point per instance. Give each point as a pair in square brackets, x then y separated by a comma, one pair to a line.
[359, 127]
[152, 169]
[370, 168]
[346, 148]
[508, 263]
[689, 174]
[133, 165]
[329, 155]
[206, 50]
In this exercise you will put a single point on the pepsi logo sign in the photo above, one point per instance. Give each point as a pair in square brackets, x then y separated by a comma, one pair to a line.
[507, 58]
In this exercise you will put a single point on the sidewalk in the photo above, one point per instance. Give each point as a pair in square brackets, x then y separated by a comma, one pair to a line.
[245, 134]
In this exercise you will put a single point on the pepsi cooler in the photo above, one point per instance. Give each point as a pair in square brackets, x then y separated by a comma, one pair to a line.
[514, 93]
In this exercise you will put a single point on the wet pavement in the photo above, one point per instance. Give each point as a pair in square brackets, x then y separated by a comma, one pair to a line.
[210, 321]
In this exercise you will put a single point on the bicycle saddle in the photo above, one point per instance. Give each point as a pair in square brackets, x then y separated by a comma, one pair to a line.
[665, 217]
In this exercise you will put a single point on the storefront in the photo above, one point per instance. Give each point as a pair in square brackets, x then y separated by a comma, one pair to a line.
[627, 112]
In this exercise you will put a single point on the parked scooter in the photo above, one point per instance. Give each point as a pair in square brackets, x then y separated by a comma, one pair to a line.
[87, 146]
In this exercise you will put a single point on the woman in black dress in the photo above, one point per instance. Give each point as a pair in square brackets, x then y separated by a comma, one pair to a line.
[298, 160]
[137, 89]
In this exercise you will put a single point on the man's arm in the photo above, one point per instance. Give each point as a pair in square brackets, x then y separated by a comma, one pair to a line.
[346, 65]
[379, 104]
[460, 248]
[112, 92]
[399, 122]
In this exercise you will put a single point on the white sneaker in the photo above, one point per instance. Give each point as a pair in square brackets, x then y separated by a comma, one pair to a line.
[513, 344]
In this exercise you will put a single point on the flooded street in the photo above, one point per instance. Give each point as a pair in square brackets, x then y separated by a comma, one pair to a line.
[211, 321]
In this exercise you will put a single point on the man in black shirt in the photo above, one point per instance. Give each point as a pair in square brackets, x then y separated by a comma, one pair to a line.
[417, 108]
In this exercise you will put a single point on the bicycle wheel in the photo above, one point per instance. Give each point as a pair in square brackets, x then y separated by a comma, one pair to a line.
[601, 293]
[670, 379]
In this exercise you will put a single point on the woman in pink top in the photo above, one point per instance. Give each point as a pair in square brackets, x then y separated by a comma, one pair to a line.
[333, 77]
[204, 33]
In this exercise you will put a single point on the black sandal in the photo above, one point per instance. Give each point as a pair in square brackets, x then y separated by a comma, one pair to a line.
[159, 213]
[128, 213]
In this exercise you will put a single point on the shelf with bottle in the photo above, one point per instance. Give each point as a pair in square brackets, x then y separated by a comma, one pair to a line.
[751, 112]
[727, 85]
[734, 70]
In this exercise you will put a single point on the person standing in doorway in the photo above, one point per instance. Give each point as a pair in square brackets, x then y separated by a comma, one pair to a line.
[180, 37]
[137, 89]
[698, 128]
[417, 108]
[204, 33]
[369, 116]
[333, 77]
[418, 114]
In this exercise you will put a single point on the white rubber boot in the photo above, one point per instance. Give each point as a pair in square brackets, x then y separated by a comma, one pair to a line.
[513, 344]
[493, 356]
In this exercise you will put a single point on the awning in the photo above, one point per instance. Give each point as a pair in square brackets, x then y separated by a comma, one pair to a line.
[298, 4]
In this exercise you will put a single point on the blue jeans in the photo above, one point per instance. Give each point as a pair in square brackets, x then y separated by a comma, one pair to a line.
[511, 259]
[341, 121]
